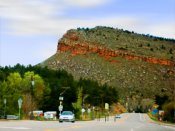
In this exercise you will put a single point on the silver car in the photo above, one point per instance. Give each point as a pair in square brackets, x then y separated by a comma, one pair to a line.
[118, 116]
[67, 116]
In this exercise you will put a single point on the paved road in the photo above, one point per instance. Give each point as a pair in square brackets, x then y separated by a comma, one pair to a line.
[128, 122]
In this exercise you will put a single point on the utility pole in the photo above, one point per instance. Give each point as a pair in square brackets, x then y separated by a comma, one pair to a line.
[32, 95]
[5, 102]
[61, 98]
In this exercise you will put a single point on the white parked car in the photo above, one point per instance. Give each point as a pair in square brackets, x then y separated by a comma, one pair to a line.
[67, 116]
[12, 117]
[50, 115]
[117, 116]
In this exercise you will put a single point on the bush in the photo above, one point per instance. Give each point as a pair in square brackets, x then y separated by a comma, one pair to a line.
[169, 109]
[146, 104]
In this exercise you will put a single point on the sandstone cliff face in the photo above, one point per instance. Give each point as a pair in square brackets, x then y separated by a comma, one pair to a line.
[70, 43]
[83, 49]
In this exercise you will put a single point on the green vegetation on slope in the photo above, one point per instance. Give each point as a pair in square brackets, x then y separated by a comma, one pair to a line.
[145, 45]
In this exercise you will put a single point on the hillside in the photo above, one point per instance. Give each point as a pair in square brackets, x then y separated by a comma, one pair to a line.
[139, 66]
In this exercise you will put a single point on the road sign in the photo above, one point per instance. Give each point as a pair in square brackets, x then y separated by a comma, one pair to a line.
[106, 106]
[5, 101]
[19, 102]
[89, 110]
[60, 107]
[155, 111]
[61, 98]
[82, 110]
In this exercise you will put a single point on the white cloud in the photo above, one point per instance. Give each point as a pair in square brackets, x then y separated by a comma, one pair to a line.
[86, 3]
[38, 18]
[52, 26]
[166, 30]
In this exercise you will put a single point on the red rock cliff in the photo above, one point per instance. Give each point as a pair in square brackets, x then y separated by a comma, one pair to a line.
[71, 42]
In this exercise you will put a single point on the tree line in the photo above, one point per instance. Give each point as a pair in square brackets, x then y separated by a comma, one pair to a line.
[40, 89]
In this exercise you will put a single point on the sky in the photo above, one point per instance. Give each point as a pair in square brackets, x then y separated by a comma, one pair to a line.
[31, 29]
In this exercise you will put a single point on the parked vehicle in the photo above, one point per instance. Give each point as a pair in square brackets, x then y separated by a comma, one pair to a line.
[12, 117]
[2, 115]
[118, 116]
[50, 115]
[67, 116]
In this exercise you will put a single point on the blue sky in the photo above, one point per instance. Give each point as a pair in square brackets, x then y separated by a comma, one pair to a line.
[30, 29]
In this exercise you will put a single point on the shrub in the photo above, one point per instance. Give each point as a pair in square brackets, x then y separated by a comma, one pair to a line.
[171, 51]
[151, 49]
[146, 104]
[169, 109]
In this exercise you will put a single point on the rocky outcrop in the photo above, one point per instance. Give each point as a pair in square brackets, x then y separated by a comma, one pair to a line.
[77, 44]
[107, 54]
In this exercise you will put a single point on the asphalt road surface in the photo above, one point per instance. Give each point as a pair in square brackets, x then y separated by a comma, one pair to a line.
[127, 122]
